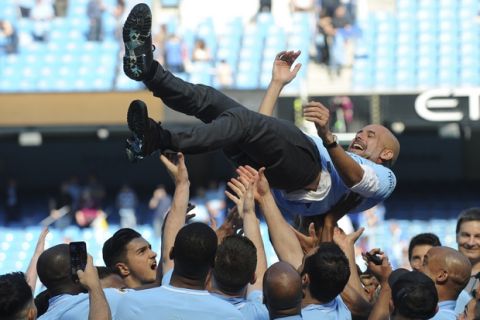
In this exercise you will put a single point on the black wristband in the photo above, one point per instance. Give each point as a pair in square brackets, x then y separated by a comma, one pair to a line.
[331, 144]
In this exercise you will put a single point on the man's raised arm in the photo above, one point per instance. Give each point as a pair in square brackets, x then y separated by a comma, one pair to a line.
[282, 74]
[349, 170]
[176, 217]
[283, 237]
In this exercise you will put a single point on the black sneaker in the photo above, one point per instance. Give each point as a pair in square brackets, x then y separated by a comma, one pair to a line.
[137, 38]
[147, 135]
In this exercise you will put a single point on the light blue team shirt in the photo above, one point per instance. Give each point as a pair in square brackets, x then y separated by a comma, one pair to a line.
[333, 310]
[462, 300]
[251, 307]
[168, 302]
[76, 307]
[446, 311]
[386, 178]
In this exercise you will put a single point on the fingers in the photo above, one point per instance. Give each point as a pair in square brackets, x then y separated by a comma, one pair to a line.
[355, 235]
[280, 55]
[311, 230]
[167, 163]
[296, 68]
[232, 197]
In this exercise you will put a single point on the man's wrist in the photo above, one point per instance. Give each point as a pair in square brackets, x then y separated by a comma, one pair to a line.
[330, 140]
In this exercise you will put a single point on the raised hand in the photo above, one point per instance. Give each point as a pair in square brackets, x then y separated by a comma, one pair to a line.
[320, 115]
[382, 271]
[176, 167]
[89, 277]
[307, 242]
[261, 185]
[282, 71]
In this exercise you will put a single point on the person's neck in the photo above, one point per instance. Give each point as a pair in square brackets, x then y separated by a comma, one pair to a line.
[68, 289]
[186, 283]
[308, 299]
[445, 293]
[132, 283]
[216, 289]
[475, 266]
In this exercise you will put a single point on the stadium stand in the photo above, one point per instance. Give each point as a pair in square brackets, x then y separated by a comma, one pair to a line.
[422, 44]
[67, 62]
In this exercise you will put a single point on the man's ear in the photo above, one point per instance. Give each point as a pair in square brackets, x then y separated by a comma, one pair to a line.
[442, 277]
[171, 254]
[386, 155]
[305, 280]
[123, 269]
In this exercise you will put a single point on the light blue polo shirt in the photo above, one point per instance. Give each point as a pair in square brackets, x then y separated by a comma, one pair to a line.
[463, 299]
[76, 307]
[386, 184]
[333, 310]
[251, 307]
[446, 310]
[168, 302]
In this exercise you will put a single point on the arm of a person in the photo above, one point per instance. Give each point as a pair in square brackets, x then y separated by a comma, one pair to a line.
[283, 238]
[353, 294]
[349, 170]
[98, 304]
[251, 229]
[281, 76]
[178, 210]
[381, 309]
[31, 274]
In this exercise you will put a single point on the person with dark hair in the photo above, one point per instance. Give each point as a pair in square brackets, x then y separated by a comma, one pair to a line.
[70, 299]
[193, 255]
[414, 295]
[450, 271]
[16, 299]
[325, 273]
[234, 273]
[110, 279]
[418, 248]
[282, 290]
[468, 241]
[312, 172]
[240, 262]
[129, 255]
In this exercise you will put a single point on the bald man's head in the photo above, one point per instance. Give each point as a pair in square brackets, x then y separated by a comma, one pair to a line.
[376, 143]
[282, 290]
[447, 267]
[53, 267]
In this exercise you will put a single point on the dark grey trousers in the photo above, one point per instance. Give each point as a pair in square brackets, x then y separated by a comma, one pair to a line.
[291, 158]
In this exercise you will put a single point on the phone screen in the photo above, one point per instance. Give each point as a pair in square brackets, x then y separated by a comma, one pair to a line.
[78, 257]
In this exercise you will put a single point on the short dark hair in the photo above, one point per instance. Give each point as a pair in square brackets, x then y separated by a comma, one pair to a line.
[194, 251]
[114, 249]
[235, 263]
[41, 302]
[470, 214]
[328, 270]
[423, 239]
[413, 293]
[15, 294]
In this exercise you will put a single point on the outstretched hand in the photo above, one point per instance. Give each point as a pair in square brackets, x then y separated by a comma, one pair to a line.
[89, 277]
[251, 175]
[320, 115]
[282, 71]
[176, 167]
[308, 242]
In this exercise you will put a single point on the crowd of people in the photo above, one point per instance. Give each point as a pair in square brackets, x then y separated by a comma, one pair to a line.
[211, 271]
